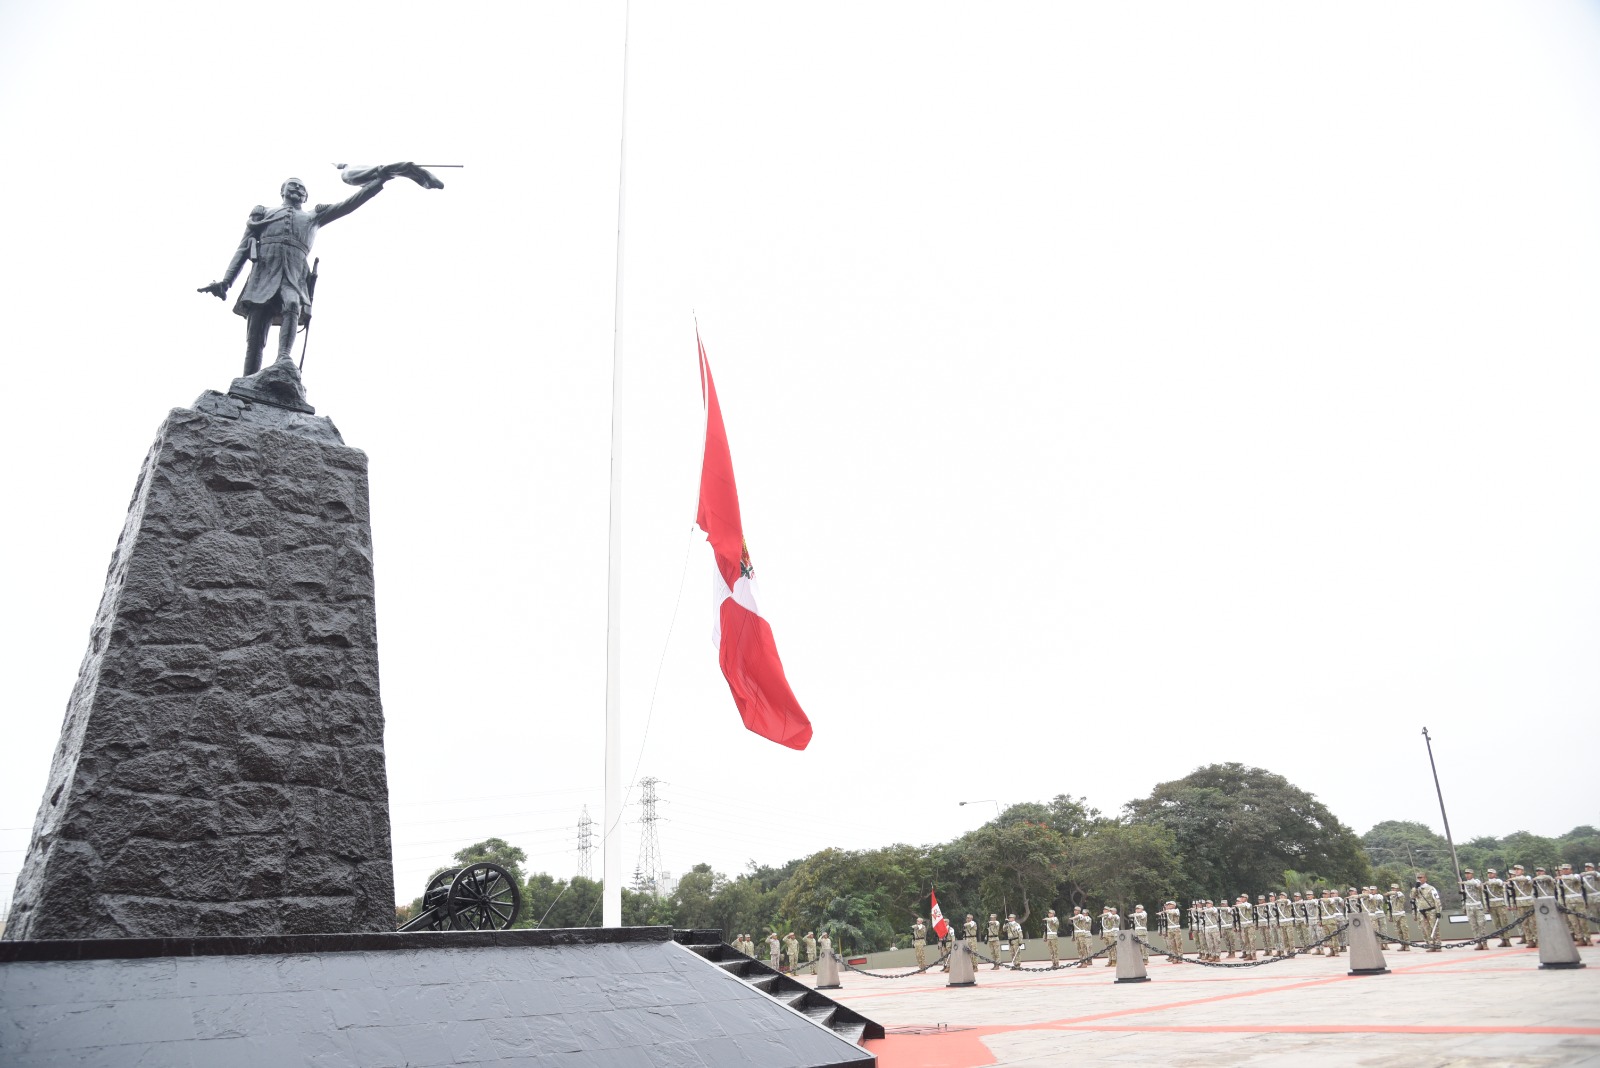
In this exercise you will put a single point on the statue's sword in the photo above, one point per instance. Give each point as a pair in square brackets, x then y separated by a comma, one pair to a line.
[311, 299]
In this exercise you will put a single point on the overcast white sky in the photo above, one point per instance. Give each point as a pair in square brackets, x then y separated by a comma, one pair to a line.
[1112, 389]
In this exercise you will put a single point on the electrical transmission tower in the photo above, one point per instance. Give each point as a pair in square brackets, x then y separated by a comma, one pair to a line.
[648, 875]
[585, 843]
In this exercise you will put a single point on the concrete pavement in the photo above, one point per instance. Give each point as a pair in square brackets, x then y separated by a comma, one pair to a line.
[1456, 1009]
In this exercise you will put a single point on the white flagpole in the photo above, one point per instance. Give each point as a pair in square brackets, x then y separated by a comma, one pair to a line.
[611, 838]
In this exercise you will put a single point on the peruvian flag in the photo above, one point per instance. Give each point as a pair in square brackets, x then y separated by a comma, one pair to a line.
[940, 924]
[744, 641]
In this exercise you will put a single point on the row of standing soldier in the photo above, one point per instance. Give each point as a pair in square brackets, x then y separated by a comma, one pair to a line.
[1282, 924]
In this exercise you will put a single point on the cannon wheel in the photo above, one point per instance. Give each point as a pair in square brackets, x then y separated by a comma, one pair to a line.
[483, 897]
[440, 882]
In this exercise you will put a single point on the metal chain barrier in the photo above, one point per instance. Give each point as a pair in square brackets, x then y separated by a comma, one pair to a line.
[1581, 913]
[1424, 944]
[902, 975]
[1247, 963]
[1077, 962]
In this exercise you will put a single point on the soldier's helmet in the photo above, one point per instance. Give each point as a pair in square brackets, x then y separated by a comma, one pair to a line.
[1466, 871]
[1588, 864]
[1491, 871]
[1565, 866]
[1516, 867]
[1050, 912]
[1536, 871]
[1394, 886]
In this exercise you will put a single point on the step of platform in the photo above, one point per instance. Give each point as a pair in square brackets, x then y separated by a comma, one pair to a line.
[816, 1006]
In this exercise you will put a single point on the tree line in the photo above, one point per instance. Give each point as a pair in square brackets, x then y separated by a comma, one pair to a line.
[1222, 830]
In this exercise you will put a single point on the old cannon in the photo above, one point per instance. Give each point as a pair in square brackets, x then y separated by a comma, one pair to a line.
[479, 897]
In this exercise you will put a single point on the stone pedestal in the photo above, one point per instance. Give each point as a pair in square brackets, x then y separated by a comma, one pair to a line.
[1366, 954]
[828, 972]
[221, 768]
[1556, 947]
[1130, 962]
[963, 965]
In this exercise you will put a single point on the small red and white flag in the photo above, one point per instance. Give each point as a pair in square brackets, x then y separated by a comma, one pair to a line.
[743, 639]
[940, 924]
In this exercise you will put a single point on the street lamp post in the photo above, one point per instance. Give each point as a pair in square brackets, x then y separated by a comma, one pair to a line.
[1442, 815]
[984, 801]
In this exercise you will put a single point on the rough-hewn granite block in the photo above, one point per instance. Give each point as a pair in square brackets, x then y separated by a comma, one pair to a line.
[220, 769]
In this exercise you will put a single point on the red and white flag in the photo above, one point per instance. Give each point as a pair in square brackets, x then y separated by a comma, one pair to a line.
[940, 924]
[743, 639]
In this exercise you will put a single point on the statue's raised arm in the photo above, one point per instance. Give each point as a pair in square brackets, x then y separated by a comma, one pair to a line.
[277, 243]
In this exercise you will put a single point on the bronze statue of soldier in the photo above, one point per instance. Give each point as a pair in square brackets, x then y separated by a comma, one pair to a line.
[277, 243]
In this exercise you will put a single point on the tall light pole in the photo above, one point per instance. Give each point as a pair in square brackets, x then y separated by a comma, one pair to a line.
[1447, 837]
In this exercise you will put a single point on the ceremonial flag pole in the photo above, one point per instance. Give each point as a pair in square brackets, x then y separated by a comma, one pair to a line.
[611, 836]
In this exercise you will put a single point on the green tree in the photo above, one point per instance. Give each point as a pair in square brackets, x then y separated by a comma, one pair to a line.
[495, 851]
[1240, 827]
[1124, 865]
[1580, 846]
[1023, 861]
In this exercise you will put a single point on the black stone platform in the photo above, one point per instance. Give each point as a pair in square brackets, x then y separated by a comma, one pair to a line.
[592, 997]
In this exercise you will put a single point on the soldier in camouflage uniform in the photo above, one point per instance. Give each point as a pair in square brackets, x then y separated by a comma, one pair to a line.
[791, 950]
[994, 941]
[1494, 896]
[1247, 926]
[1082, 923]
[1013, 938]
[1052, 931]
[1522, 891]
[1330, 907]
[1264, 932]
[1174, 932]
[775, 951]
[1210, 930]
[1110, 924]
[1571, 887]
[1590, 880]
[1140, 919]
[1285, 915]
[1473, 901]
[919, 942]
[811, 951]
[969, 931]
[1429, 910]
[1397, 916]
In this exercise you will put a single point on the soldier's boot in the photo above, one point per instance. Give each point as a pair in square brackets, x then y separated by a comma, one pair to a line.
[1480, 946]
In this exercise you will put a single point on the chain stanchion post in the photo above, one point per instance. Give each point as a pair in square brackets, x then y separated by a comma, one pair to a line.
[1366, 955]
[1556, 947]
[963, 969]
[1130, 962]
[828, 971]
